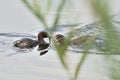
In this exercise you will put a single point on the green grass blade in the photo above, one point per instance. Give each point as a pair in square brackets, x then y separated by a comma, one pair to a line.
[84, 56]
[49, 5]
[57, 16]
[36, 13]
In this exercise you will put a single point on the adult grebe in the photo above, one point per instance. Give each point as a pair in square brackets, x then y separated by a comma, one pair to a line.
[29, 43]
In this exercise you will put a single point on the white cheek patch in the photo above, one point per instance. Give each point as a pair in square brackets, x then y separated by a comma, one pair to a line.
[46, 40]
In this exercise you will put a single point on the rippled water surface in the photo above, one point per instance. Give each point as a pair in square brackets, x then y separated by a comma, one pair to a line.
[29, 65]
[17, 22]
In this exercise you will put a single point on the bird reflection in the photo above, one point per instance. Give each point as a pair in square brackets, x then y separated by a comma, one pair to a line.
[43, 48]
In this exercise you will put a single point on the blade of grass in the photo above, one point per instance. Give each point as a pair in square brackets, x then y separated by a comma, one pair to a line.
[84, 56]
[113, 38]
[36, 6]
[57, 16]
[61, 50]
[49, 5]
[36, 13]
[101, 9]
[114, 68]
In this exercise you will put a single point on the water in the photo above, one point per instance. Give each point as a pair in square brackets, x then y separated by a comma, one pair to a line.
[28, 64]
[16, 64]
[25, 64]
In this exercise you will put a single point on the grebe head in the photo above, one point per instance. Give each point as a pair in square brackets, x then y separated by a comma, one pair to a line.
[42, 35]
[59, 38]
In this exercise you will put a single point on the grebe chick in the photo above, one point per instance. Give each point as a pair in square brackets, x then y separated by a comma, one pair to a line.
[59, 38]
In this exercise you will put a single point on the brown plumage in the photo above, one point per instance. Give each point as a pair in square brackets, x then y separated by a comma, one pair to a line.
[29, 43]
[59, 38]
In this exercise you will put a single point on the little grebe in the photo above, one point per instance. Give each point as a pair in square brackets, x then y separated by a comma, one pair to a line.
[59, 38]
[29, 43]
